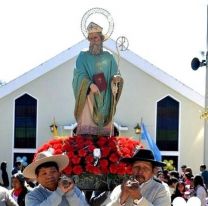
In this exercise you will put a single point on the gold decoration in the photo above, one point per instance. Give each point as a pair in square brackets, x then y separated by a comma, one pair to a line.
[102, 12]
[54, 128]
[204, 114]
[137, 129]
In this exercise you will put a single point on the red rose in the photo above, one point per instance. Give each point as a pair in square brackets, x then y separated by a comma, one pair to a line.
[75, 160]
[77, 170]
[114, 158]
[70, 154]
[89, 168]
[91, 147]
[67, 170]
[101, 141]
[79, 140]
[113, 168]
[112, 143]
[89, 159]
[58, 151]
[67, 147]
[121, 169]
[96, 170]
[57, 146]
[104, 166]
[104, 170]
[82, 153]
[103, 163]
[125, 152]
[105, 151]
[88, 142]
[80, 146]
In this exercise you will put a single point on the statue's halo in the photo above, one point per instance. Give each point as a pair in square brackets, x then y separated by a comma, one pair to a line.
[105, 13]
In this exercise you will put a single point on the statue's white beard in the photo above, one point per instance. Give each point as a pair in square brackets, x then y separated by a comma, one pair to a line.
[96, 49]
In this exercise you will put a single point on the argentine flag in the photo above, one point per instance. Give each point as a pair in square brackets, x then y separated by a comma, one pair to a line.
[151, 144]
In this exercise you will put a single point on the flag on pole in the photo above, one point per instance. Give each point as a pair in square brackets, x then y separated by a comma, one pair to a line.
[151, 144]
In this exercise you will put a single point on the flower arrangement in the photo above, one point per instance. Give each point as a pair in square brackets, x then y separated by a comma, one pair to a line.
[80, 151]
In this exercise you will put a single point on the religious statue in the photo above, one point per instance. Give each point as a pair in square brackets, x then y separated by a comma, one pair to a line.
[97, 86]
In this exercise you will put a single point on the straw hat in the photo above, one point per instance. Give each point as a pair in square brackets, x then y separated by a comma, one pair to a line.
[143, 155]
[46, 156]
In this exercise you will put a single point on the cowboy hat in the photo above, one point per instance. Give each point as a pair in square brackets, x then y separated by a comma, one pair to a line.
[46, 156]
[143, 155]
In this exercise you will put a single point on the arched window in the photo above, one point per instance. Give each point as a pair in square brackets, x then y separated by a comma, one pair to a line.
[25, 122]
[167, 129]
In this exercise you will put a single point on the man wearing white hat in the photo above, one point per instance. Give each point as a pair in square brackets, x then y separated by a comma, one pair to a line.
[93, 78]
[51, 191]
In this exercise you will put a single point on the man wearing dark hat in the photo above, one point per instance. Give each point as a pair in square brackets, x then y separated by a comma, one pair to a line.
[52, 190]
[142, 189]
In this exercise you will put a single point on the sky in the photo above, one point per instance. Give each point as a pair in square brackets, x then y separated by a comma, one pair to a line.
[167, 33]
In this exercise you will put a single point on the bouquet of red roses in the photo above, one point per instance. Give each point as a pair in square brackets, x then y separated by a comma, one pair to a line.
[80, 151]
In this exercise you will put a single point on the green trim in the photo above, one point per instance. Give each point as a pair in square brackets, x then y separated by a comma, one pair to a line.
[81, 98]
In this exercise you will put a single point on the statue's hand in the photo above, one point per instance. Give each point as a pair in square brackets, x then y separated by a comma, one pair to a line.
[94, 89]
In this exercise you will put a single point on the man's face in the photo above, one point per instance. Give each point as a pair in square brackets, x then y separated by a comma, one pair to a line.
[95, 43]
[48, 177]
[143, 171]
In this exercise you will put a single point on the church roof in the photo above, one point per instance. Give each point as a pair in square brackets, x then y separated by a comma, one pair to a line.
[110, 44]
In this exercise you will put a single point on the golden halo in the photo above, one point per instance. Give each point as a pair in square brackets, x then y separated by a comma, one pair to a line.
[105, 13]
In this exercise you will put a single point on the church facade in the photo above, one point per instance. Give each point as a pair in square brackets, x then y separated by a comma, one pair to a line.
[168, 108]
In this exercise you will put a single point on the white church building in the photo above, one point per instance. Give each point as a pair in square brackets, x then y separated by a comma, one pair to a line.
[169, 109]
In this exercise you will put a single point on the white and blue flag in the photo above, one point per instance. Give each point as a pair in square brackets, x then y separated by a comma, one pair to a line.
[151, 144]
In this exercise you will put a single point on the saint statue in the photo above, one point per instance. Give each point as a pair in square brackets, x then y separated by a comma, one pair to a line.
[97, 86]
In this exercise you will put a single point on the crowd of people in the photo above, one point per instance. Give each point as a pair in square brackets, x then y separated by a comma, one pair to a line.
[185, 184]
[149, 184]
